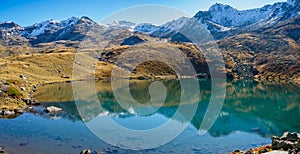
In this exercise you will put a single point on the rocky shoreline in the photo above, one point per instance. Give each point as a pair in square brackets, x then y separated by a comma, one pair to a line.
[288, 143]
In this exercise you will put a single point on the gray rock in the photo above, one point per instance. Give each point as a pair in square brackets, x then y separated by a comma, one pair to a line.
[19, 111]
[290, 136]
[4, 87]
[52, 109]
[86, 151]
[9, 113]
[288, 141]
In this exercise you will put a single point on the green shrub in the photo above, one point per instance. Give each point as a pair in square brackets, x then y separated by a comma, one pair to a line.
[13, 92]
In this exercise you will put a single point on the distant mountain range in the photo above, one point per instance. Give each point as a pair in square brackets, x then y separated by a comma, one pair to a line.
[261, 43]
[221, 20]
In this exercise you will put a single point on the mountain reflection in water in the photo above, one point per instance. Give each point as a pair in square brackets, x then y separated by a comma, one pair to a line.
[262, 108]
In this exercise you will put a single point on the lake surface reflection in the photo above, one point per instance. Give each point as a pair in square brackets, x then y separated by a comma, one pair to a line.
[252, 112]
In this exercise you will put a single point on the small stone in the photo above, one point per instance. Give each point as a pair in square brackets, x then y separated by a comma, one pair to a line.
[2, 150]
[86, 151]
[23, 88]
[65, 77]
[34, 89]
[23, 77]
[78, 63]
[27, 101]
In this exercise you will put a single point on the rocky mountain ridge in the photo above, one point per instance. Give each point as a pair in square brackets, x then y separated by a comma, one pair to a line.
[220, 20]
[262, 43]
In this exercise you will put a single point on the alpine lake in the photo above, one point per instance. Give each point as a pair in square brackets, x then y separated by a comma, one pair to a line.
[251, 113]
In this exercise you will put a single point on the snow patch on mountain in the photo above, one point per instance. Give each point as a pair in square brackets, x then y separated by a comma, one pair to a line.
[122, 25]
[176, 24]
[10, 29]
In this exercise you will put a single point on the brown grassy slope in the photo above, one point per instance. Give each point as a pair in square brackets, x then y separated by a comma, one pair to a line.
[275, 57]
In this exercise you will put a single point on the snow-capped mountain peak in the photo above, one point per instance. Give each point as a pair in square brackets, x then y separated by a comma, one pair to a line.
[220, 8]
[48, 25]
[145, 28]
[70, 21]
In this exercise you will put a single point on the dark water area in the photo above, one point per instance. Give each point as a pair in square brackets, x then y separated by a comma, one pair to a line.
[251, 114]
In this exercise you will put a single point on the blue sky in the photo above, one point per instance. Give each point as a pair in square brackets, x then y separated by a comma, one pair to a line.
[28, 12]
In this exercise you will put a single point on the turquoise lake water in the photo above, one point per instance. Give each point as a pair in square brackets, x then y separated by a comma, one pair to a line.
[251, 114]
